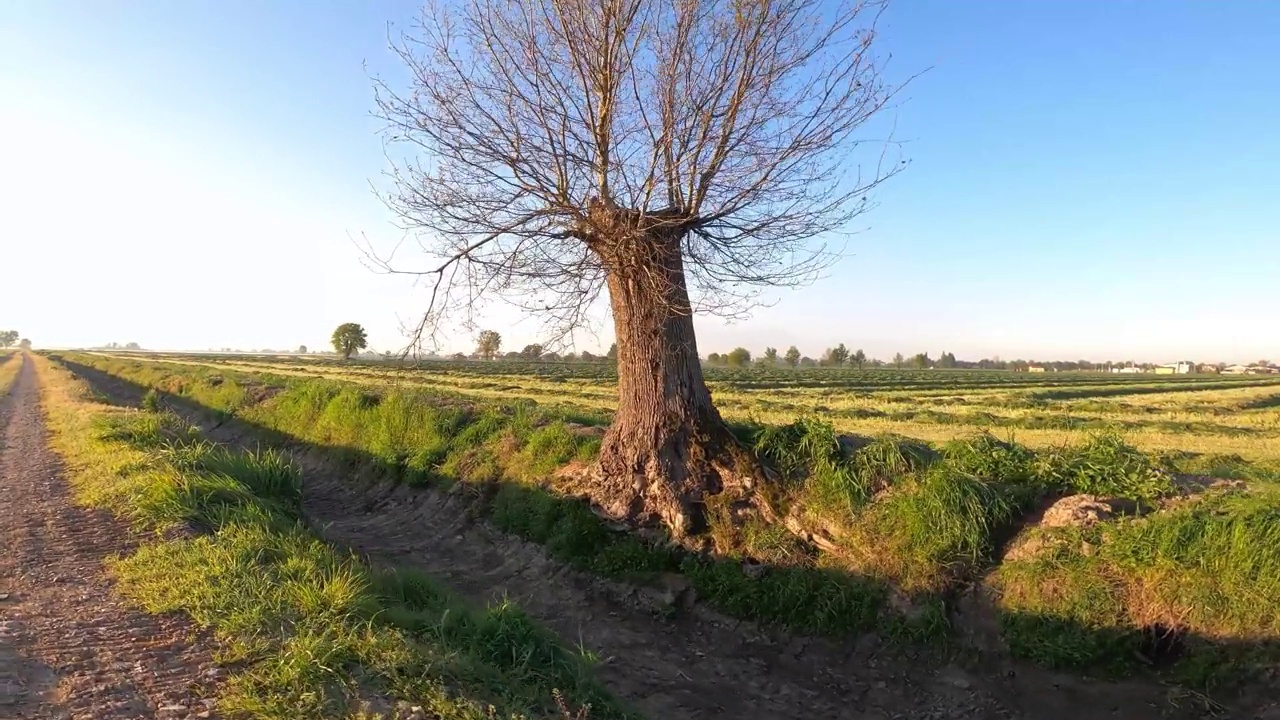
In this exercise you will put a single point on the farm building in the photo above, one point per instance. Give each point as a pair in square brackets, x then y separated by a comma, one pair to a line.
[1035, 368]
[1257, 369]
[1128, 370]
[1178, 368]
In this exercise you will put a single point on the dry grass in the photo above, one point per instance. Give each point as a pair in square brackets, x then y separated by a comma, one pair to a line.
[10, 363]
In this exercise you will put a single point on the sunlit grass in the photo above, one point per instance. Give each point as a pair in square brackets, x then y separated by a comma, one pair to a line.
[10, 364]
[912, 508]
[305, 629]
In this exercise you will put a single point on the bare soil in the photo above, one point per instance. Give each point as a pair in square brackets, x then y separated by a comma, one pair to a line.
[698, 664]
[69, 648]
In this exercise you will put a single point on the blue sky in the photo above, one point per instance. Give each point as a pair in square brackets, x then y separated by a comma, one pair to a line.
[1088, 179]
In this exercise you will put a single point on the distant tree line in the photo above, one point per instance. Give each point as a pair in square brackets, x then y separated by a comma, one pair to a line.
[841, 356]
[489, 347]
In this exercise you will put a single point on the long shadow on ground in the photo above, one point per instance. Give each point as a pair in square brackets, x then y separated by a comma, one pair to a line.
[666, 656]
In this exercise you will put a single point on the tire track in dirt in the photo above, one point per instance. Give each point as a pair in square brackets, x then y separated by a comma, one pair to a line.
[69, 648]
[699, 666]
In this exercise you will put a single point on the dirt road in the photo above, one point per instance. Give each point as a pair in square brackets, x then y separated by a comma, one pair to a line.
[69, 648]
[697, 667]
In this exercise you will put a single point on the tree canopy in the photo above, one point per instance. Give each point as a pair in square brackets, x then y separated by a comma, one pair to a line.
[488, 344]
[348, 339]
[679, 155]
[733, 126]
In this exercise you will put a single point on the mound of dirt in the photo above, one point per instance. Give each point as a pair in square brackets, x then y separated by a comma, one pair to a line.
[1085, 510]
[1077, 511]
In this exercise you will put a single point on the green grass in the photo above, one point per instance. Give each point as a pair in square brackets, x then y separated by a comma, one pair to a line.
[307, 630]
[908, 519]
[1209, 571]
[10, 364]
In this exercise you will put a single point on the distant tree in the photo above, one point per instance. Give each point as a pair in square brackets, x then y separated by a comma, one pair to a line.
[302, 350]
[859, 358]
[587, 357]
[714, 359]
[613, 352]
[738, 357]
[921, 361]
[511, 355]
[458, 356]
[24, 343]
[488, 344]
[531, 352]
[807, 362]
[567, 357]
[348, 339]
[132, 346]
[836, 356]
[793, 356]
[771, 356]
[8, 338]
[898, 360]
[946, 360]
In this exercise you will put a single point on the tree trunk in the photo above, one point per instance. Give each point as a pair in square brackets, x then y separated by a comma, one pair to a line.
[668, 449]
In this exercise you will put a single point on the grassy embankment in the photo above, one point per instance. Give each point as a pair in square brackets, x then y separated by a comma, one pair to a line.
[306, 630]
[908, 520]
[10, 363]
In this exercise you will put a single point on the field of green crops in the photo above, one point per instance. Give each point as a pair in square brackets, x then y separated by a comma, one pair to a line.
[932, 489]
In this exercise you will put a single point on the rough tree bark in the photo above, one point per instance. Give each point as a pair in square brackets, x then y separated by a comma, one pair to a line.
[668, 449]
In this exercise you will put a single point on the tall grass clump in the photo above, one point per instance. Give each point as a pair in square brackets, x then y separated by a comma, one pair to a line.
[808, 453]
[836, 474]
[932, 529]
[1105, 465]
[1011, 467]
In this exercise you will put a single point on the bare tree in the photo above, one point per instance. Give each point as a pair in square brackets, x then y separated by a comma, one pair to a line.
[682, 154]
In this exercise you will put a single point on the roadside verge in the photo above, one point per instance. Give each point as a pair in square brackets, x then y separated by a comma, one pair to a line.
[303, 629]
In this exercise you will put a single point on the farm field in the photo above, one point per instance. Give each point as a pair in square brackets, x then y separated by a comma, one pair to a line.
[1146, 540]
[1204, 414]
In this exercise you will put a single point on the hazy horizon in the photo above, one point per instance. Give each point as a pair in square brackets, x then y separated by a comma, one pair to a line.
[1081, 186]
